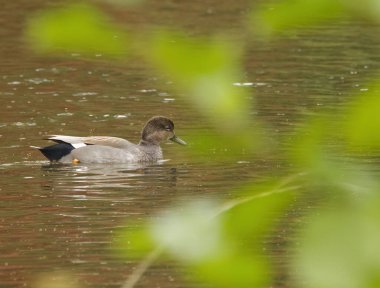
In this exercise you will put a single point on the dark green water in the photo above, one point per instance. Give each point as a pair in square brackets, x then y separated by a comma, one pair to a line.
[54, 218]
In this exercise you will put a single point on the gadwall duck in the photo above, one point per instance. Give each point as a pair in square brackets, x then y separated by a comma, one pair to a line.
[106, 149]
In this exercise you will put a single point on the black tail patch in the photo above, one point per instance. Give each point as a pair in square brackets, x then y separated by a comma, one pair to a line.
[56, 151]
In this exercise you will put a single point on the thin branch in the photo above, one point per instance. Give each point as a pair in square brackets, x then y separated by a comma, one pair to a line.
[142, 267]
[231, 204]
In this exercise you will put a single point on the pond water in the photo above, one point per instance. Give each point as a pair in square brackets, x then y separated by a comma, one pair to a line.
[63, 218]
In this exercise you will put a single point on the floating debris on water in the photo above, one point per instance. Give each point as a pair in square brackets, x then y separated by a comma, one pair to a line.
[248, 84]
[120, 116]
[166, 100]
[85, 94]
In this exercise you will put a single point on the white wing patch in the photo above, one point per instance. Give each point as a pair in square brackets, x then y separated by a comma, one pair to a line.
[78, 145]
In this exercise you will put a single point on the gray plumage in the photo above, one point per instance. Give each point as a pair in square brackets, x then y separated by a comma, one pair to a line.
[107, 149]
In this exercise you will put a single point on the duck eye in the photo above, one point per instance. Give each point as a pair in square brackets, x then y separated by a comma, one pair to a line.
[167, 128]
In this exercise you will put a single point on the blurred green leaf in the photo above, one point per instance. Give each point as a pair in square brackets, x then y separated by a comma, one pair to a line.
[363, 122]
[234, 270]
[132, 242]
[312, 150]
[188, 59]
[191, 233]
[251, 220]
[364, 9]
[224, 246]
[206, 69]
[340, 248]
[75, 28]
[194, 235]
[287, 15]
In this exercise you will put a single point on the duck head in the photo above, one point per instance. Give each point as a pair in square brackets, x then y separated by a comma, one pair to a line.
[159, 129]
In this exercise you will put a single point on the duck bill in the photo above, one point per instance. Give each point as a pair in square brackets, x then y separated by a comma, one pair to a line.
[177, 140]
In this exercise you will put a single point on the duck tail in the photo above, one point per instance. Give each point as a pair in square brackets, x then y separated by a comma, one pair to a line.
[56, 151]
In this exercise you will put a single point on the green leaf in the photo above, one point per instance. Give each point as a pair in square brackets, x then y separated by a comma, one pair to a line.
[234, 270]
[363, 121]
[287, 15]
[206, 69]
[75, 28]
[132, 241]
[261, 206]
[340, 248]
[191, 234]
[214, 243]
